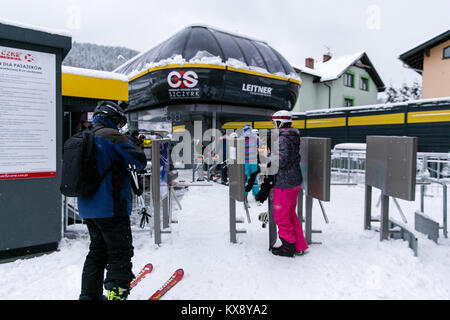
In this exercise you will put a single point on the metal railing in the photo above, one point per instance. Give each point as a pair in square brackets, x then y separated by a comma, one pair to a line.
[348, 166]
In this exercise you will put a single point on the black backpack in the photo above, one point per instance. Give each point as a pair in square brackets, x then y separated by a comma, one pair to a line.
[80, 176]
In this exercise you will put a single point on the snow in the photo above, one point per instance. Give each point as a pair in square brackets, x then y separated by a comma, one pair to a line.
[350, 146]
[94, 73]
[206, 58]
[36, 28]
[333, 68]
[234, 63]
[351, 263]
[375, 107]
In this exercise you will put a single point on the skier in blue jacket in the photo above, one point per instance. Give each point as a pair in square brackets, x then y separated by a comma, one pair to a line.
[107, 212]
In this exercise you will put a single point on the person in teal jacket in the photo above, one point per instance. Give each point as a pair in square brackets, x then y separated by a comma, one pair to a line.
[251, 155]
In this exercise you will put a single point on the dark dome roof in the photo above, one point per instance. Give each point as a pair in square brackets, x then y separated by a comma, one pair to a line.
[191, 41]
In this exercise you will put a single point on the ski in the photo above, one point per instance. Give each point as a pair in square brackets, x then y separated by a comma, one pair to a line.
[173, 280]
[141, 275]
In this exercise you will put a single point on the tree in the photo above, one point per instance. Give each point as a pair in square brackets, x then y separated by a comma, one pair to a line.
[404, 93]
[97, 57]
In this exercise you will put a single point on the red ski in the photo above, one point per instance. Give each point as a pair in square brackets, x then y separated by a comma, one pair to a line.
[141, 275]
[173, 280]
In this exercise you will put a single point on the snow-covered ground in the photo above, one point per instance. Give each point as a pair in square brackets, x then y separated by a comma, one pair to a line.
[351, 263]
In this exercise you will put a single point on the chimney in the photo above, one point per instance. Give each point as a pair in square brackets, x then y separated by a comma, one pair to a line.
[326, 57]
[309, 63]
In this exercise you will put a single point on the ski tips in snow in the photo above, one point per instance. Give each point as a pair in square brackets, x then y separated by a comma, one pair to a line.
[141, 275]
[173, 280]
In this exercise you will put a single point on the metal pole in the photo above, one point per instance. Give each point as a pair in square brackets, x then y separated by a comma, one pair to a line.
[174, 196]
[308, 219]
[156, 192]
[367, 207]
[63, 217]
[422, 188]
[384, 220]
[233, 238]
[300, 206]
[400, 210]
[348, 167]
[445, 208]
[323, 212]
[272, 225]
[166, 215]
[422, 198]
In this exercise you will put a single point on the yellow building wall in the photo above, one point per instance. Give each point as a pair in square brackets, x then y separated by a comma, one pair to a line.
[95, 88]
[436, 73]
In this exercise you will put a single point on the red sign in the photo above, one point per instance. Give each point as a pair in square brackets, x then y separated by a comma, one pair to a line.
[10, 55]
[27, 175]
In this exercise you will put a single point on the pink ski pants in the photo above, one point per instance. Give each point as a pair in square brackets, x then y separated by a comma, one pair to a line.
[285, 216]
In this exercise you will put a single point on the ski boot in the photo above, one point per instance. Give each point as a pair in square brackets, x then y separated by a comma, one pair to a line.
[118, 293]
[285, 250]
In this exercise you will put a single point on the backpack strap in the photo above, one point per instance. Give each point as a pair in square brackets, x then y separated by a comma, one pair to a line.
[94, 130]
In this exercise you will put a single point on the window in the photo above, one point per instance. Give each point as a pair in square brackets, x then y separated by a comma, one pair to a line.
[229, 47]
[348, 102]
[273, 63]
[364, 84]
[251, 54]
[173, 46]
[201, 40]
[447, 53]
[349, 80]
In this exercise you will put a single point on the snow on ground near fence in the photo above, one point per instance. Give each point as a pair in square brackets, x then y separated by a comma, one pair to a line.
[351, 263]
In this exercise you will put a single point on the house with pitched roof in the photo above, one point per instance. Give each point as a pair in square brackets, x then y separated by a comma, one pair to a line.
[431, 59]
[347, 81]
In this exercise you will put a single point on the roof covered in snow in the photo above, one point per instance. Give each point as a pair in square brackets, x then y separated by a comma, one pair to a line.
[207, 45]
[35, 28]
[336, 67]
[378, 107]
[41, 36]
[94, 73]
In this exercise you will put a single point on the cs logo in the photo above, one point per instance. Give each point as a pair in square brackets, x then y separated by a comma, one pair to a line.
[182, 79]
[29, 58]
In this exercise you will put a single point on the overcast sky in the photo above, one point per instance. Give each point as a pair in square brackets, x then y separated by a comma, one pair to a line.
[296, 28]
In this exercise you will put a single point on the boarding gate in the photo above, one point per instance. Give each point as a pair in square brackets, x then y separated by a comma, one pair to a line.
[315, 166]
[155, 204]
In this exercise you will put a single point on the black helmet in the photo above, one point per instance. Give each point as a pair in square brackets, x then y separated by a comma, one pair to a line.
[111, 111]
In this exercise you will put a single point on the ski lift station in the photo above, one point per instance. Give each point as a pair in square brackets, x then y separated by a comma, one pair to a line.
[201, 74]
[209, 75]
[198, 74]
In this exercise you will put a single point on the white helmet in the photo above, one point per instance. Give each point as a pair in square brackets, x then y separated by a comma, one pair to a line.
[281, 118]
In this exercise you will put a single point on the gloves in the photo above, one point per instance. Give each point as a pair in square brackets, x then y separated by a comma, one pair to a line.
[264, 190]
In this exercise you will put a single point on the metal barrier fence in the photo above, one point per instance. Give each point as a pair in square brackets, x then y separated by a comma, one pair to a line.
[432, 175]
[348, 166]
